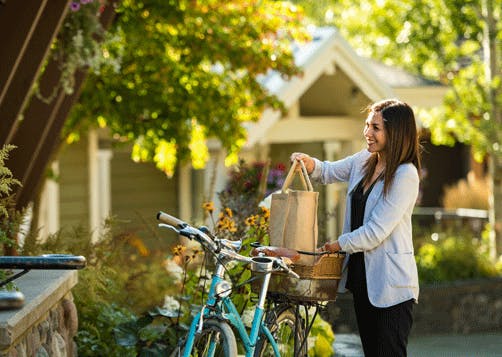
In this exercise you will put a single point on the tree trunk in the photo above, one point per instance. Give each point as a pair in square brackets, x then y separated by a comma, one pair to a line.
[495, 215]
[491, 70]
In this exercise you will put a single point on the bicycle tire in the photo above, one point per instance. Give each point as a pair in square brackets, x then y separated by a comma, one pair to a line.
[215, 331]
[282, 321]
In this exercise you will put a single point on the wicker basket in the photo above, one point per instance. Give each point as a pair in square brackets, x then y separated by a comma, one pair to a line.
[318, 282]
[328, 266]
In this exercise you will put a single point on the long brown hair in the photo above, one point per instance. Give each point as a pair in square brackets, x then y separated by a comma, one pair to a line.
[402, 145]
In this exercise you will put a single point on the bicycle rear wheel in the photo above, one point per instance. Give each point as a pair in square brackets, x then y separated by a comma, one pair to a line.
[215, 340]
[288, 331]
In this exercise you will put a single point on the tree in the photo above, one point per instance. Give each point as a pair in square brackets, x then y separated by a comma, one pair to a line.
[456, 42]
[189, 70]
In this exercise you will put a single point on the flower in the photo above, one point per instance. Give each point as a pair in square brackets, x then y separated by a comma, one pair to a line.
[250, 221]
[74, 6]
[179, 249]
[247, 317]
[139, 245]
[208, 207]
[174, 270]
[170, 303]
[265, 212]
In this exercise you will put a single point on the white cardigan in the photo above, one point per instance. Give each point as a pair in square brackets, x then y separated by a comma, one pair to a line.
[386, 234]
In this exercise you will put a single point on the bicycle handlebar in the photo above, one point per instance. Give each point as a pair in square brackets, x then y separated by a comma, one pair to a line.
[220, 246]
[170, 220]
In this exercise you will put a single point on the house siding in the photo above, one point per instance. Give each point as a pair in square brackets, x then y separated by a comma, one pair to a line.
[139, 191]
[74, 188]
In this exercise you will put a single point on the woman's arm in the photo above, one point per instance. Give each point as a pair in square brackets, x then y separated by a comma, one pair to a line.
[327, 172]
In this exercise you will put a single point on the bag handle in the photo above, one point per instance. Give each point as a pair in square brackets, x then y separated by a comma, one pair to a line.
[304, 176]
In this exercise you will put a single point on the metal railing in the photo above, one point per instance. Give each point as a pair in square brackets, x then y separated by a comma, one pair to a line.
[15, 299]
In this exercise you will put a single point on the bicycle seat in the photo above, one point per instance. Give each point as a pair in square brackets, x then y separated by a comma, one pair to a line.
[282, 252]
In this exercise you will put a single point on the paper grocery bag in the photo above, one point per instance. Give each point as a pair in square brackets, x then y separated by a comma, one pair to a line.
[293, 216]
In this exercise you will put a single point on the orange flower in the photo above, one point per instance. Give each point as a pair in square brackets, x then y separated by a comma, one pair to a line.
[208, 206]
[250, 221]
[179, 249]
[265, 212]
[231, 226]
[139, 245]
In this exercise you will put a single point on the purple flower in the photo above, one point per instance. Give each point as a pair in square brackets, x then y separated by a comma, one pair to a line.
[74, 6]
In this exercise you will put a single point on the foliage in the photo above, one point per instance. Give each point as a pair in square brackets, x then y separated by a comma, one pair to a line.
[321, 339]
[10, 218]
[96, 335]
[125, 277]
[190, 70]
[7, 182]
[247, 186]
[456, 257]
[76, 46]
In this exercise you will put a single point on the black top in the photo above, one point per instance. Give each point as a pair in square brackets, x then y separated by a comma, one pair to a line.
[356, 278]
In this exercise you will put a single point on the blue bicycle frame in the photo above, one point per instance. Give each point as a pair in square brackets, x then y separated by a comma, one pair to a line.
[225, 308]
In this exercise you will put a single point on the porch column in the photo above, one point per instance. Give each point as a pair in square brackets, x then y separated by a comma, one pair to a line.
[48, 221]
[99, 185]
[333, 226]
[185, 192]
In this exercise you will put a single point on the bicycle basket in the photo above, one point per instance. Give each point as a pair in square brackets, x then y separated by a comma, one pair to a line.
[328, 266]
[318, 281]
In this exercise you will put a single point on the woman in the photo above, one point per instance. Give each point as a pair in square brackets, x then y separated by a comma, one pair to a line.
[380, 268]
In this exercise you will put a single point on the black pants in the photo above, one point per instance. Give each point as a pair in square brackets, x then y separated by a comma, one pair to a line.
[384, 331]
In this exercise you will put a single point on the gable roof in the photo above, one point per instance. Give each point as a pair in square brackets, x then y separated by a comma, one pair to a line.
[397, 77]
[327, 50]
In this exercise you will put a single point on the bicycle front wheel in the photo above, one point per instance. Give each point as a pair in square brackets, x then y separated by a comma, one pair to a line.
[215, 340]
[288, 332]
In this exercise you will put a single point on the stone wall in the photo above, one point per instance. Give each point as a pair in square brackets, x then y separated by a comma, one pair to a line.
[458, 307]
[47, 323]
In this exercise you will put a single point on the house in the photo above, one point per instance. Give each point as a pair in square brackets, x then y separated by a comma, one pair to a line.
[324, 118]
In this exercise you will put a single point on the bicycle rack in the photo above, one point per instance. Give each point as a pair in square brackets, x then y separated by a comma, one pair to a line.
[15, 299]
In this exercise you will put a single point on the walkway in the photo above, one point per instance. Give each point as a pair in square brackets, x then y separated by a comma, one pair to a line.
[475, 345]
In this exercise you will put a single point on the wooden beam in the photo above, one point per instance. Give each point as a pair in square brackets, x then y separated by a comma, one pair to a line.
[18, 21]
[43, 124]
[38, 135]
[308, 129]
[23, 75]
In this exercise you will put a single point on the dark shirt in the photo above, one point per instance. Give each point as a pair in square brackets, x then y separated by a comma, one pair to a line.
[356, 278]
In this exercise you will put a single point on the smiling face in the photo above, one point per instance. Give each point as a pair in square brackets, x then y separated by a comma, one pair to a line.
[374, 133]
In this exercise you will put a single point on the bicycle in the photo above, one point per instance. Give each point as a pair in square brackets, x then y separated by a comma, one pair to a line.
[279, 332]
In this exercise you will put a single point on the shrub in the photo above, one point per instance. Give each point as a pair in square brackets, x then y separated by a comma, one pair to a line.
[9, 218]
[124, 278]
[455, 257]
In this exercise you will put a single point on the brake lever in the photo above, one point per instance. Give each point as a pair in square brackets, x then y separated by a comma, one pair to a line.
[163, 225]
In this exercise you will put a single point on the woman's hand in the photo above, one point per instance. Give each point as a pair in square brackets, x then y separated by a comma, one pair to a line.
[307, 161]
[332, 247]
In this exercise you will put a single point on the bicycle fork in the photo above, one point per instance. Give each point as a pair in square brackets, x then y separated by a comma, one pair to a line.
[198, 321]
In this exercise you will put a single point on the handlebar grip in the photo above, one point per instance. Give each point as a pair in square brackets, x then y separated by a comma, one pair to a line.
[168, 219]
